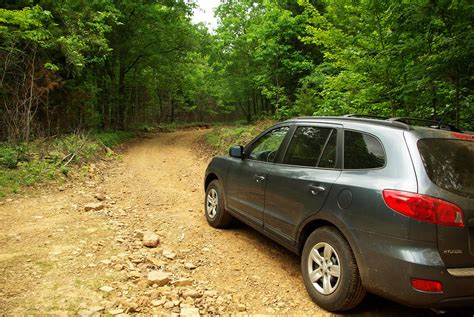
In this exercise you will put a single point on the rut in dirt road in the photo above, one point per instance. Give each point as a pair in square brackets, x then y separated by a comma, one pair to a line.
[57, 258]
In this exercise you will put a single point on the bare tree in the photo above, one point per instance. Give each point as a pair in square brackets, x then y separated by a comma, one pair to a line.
[25, 85]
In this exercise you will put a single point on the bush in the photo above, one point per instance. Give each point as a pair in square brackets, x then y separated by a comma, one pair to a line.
[174, 126]
[110, 139]
[8, 157]
[52, 159]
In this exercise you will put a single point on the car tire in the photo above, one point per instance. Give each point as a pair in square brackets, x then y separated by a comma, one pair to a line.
[330, 271]
[214, 209]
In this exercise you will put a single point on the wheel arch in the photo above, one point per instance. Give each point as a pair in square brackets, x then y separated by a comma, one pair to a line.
[312, 224]
[310, 227]
[209, 178]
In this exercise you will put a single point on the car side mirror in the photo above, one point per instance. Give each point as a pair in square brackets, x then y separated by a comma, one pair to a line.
[237, 151]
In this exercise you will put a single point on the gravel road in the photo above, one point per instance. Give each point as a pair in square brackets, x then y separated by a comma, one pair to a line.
[58, 258]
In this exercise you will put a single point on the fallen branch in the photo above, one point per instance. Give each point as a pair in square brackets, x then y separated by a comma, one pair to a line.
[74, 154]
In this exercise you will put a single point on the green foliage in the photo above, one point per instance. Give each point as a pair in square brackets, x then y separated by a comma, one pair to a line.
[27, 173]
[8, 156]
[47, 160]
[176, 126]
[111, 139]
[29, 24]
[11, 155]
[261, 55]
[392, 58]
[111, 65]
[221, 138]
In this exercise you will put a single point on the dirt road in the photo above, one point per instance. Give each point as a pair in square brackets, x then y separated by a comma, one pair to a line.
[57, 258]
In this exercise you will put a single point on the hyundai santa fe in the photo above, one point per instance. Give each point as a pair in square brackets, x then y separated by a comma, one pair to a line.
[384, 206]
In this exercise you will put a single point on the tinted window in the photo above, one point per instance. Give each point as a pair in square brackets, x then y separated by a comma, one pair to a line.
[328, 159]
[306, 146]
[449, 164]
[266, 147]
[362, 151]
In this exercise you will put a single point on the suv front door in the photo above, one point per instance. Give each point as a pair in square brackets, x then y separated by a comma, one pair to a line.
[247, 177]
[298, 187]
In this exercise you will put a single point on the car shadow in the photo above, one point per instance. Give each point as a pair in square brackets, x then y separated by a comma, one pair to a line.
[372, 305]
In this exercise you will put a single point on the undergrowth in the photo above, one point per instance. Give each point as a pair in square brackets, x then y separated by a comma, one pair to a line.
[53, 159]
[174, 126]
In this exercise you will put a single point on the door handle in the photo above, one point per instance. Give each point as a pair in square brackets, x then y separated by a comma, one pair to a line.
[259, 178]
[314, 190]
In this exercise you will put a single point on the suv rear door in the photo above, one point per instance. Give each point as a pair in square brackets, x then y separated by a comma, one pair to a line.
[449, 175]
[299, 185]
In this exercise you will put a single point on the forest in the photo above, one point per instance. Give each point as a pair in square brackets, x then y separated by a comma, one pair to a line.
[104, 65]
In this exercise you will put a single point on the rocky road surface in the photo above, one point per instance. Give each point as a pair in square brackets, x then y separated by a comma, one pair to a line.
[132, 240]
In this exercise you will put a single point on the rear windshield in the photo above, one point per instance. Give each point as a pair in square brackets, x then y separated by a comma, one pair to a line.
[449, 164]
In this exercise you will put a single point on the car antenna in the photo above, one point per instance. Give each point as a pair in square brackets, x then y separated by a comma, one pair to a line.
[440, 122]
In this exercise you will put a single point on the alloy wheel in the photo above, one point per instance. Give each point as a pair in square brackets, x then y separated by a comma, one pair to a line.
[212, 200]
[324, 268]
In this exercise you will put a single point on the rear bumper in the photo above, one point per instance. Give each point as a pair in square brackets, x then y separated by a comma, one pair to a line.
[387, 265]
[456, 302]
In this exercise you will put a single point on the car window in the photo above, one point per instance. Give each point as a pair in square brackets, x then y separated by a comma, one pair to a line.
[362, 151]
[266, 147]
[328, 159]
[449, 164]
[306, 146]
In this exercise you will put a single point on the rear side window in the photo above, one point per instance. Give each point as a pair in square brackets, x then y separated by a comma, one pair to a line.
[362, 151]
[307, 146]
[449, 164]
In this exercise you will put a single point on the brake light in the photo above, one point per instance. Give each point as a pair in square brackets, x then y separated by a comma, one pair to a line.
[463, 136]
[426, 285]
[424, 208]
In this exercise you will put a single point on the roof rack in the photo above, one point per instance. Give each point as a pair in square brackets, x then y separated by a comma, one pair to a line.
[361, 115]
[435, 124]
[406, 123]
[393, 124]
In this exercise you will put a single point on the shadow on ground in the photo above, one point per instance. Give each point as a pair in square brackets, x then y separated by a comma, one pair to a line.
[372, 305]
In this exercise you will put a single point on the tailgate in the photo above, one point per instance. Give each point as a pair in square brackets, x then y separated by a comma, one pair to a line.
[449, 165]
[456, 244]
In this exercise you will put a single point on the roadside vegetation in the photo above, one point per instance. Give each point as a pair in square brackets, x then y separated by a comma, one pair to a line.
[220, 138]
[110, 66]
[54, 160]
[175, 126]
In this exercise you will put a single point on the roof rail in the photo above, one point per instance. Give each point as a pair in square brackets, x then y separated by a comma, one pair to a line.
[387, 123]
[405, 123]
[436, 124]
[362, 115]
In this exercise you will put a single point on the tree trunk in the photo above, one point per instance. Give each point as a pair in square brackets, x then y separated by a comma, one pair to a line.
[111, 99]
[457, 101]
[29, 110]
[254, 101]
[122, 98]
[171, 109]
[249, 109]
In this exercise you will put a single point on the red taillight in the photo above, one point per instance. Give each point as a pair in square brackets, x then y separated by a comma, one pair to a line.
[426, 285]
[463, 136]
[424, 208]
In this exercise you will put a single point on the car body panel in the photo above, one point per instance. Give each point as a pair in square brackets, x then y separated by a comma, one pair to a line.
[394, 261]
[456, 245]
[245, 193]
[289, 198]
